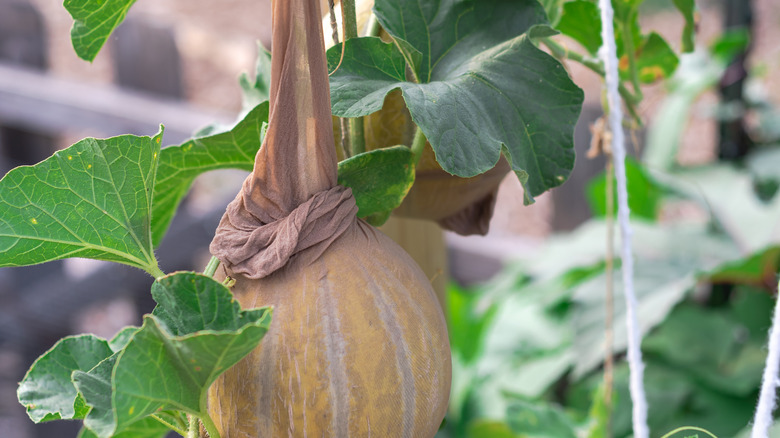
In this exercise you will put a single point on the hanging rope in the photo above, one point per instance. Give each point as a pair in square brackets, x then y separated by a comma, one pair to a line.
[767, 400]
[608, 53]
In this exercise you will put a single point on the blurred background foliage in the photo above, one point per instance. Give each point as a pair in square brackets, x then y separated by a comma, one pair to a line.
[529, 346]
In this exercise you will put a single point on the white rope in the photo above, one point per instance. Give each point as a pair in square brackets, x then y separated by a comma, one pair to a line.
[766, 401]
[608, 53]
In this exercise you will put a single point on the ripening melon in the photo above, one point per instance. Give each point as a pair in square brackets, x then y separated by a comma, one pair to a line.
[358, 346]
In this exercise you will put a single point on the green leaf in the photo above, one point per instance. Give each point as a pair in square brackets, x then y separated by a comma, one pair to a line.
[774, 431]
[188, 303]
[175, 420]
[706, 343]
[526, 344]
[539, 420]
[644, 195]
[484, 87]
[257, 90]
[466, 323]
[730, 44]
[560, 313]
[95, 387]
[93, 22]
[672, 258]
[688, 10]
[553, 10]
[90, 200]
[676, 399]
[47, 391]
[120, 340]
[581, 21]
[380, 179]
[378, 219]
[655, 59]
[180, 165]
[763, 164]
[196, 333]
[600, 413]
[489, 429]
[627, 30]
[755, 269]
[726, 192]
[146, 428]
[753, 308]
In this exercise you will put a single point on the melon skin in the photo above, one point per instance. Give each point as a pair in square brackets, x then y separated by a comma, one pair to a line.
[358, 347]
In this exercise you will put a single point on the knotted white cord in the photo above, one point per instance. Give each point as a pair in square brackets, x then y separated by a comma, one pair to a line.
[608, 53]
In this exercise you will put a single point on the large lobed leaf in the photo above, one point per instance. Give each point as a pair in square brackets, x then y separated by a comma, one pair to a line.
[91, 200]
[93, 22]
[113, 199]
[480, 85]
[196, 332]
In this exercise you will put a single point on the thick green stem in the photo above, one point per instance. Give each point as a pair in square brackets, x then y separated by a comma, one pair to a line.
[205, 418]
[357, 139]
[357, 136]
[350, 19]
[595, 66]
[211, 268]
[418, 145]
[193, 429]
[211, 428]
[156, 272]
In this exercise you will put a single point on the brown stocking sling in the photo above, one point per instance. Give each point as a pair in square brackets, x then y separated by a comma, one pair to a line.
[290, 202]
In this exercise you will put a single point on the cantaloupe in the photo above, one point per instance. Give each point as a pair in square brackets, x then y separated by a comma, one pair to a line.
[358, 346]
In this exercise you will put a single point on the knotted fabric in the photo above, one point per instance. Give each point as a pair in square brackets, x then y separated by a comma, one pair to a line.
[290, 203]
[254, 247]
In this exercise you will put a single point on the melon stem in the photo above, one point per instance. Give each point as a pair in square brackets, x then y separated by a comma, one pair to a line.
[418, 145]
[357, 138]
[209, 425]
[211, 268]
[193, 429]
